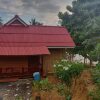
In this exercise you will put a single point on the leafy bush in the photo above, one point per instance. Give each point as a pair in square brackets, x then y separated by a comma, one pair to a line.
[46, 85]
[63, 91]
[96, 79]
[98, 66]
[96, 75]
[42, 85]
[19, 98]
[95, 94]
[66, 70]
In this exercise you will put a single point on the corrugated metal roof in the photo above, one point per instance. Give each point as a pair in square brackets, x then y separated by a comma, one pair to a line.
[24, 50]
[33, 35]
[18, 38]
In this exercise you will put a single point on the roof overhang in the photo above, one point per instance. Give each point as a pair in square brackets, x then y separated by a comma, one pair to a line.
[23, 51]
[61, 47]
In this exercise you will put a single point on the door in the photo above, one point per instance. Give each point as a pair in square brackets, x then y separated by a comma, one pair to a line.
[33, 64]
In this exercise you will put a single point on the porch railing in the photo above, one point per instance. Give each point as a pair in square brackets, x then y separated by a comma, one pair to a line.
[14, 72]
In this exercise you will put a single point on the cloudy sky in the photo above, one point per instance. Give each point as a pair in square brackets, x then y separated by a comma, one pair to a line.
[44, 11]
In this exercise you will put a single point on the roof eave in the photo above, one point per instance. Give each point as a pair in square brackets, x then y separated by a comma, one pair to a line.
[60, 47]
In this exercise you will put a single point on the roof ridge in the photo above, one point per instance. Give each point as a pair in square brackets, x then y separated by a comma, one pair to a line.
[16, 17]
[46, 26]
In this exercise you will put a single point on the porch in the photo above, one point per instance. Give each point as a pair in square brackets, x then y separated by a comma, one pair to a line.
[21, 61]
[20, 66]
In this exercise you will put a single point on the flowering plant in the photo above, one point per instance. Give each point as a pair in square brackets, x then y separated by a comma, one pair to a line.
[66, 70]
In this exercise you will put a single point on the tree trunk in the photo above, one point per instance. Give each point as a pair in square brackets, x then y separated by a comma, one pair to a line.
[90, 63]
[84, 61]
[72, 56]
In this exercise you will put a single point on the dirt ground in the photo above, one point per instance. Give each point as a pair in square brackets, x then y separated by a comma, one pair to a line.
[53, 95]
[50, 95]
[82, 86]
[19, 90]
[23, 88]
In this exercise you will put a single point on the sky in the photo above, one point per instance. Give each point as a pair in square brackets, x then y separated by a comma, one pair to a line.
[45, 11]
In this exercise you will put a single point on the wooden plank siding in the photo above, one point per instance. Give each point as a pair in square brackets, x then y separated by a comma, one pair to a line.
[19, 66]
[13, 65]
[26, 65]
[13, 62]
[50, 60]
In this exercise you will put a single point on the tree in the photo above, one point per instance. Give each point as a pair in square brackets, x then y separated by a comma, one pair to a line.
[95, 54]
[34, 22]
[1, 21]
[83, 22]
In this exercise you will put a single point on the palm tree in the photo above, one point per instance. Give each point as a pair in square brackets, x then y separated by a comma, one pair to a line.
[34, 22]
[1, 21]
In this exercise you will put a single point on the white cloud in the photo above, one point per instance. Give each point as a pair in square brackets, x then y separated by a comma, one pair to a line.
[44, 10]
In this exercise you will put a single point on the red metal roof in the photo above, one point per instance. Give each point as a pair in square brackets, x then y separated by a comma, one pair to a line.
[17, 34]
[24, 50]
[35, 35]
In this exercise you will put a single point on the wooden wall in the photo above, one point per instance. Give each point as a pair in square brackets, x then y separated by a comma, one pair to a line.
[13, 62]
[19, 62]
[50, 60]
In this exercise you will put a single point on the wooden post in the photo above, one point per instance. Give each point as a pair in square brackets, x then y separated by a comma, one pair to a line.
[41, 65]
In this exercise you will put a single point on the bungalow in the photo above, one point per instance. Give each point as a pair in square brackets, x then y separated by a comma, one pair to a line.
[25, 49]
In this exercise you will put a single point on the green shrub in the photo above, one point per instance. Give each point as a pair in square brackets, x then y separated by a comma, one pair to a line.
[19, 98]
[46, 85]
[96, 75]
[66, 70]
[95, 94]
[96, 79]
[63, 90]
[42, 85]
[98, 66]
